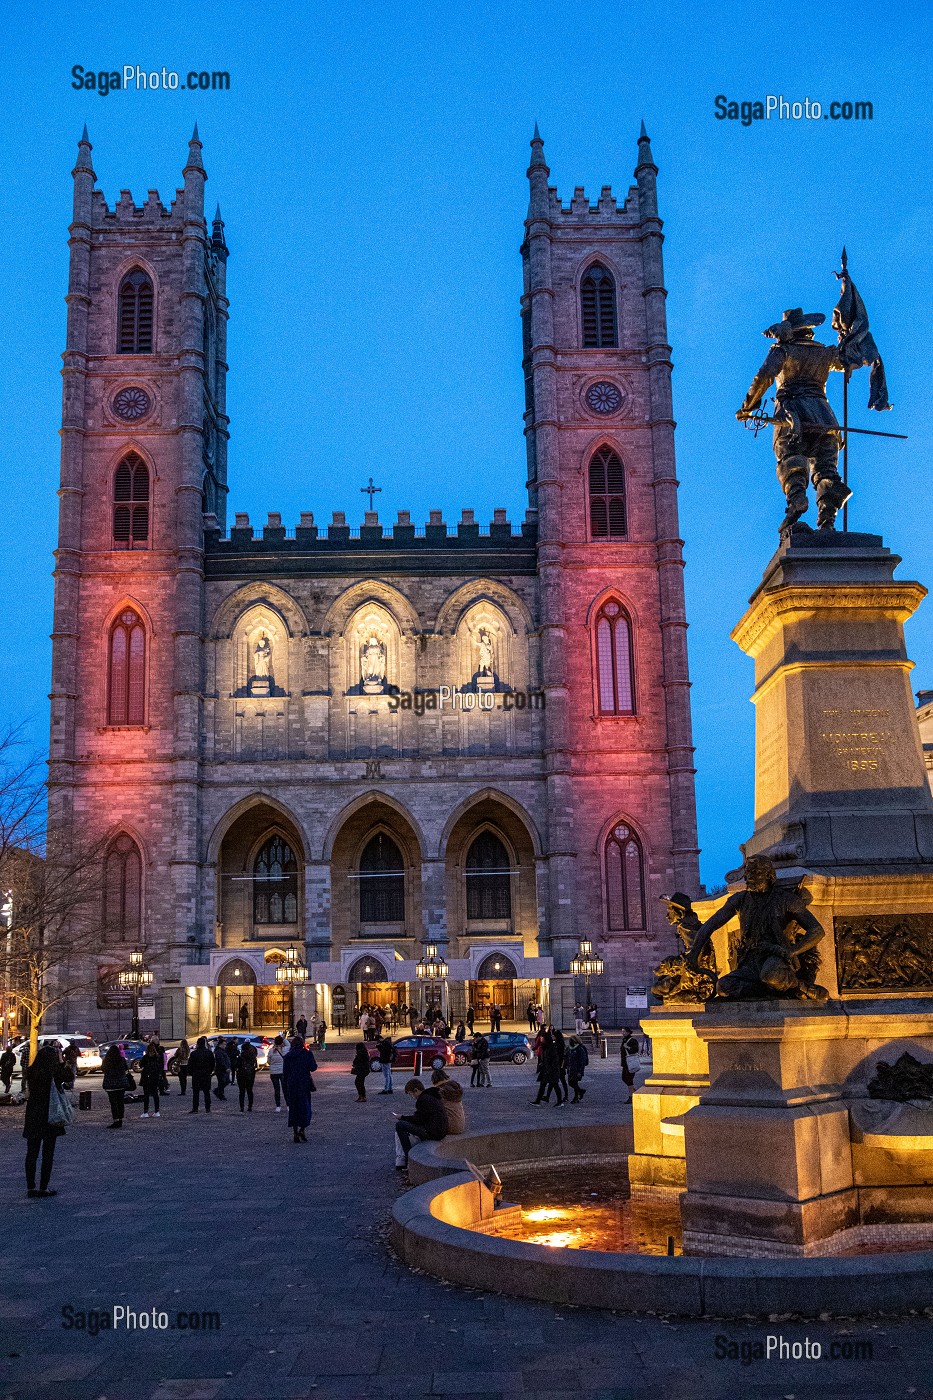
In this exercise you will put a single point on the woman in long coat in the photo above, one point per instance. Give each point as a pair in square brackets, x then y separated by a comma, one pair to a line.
[47, 1068]
[298, 1066]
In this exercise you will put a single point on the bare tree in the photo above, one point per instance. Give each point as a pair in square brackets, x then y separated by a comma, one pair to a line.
[51, 911]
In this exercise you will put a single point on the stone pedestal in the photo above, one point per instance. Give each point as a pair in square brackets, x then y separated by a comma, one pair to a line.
[840, 780]
[679, 1075]
[768, 1154]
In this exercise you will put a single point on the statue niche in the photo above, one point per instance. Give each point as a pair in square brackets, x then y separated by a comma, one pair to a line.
[369, 645]
[483, 659]
[260, 657]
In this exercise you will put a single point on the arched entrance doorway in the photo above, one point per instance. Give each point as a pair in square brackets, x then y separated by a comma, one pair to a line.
[494, 985]
[369, 980]
[236, 985]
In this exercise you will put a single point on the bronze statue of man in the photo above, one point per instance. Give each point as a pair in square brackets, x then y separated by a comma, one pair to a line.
[806, 432]
[674, 981]
[776, 953]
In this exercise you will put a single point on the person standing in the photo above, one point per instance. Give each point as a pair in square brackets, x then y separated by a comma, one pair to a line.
[276, 1061]
[320, 1039]
[182, 1056]
[7, 1066]
[539, 1017]
[301, 1026]
[232, 1048]
[530, 1016]
[578, 1021]
[549, 1072]
[201, 1065]
[413, 1017]
[386, 1061]
[117, 1079]
[246, 1074]
[360, 1069]
[150, 1078]
[561, 1059]
[460, 1032]
[470, 1018]
[577, 1061]
[221, 1069]
[70, 1061]
[631, 1061]
[244, 1017]
[495, 1019]
[300, 1064]
[481, 1051]
[41, 1135]
[592, 1017]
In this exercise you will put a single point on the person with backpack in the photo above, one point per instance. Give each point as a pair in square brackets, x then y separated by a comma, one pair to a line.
[46, 1072]
[631, 1061]
[577, 1060]
[386, 1061]
[361, 1069]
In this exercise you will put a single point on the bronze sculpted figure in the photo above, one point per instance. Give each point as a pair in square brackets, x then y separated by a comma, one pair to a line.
[776, 954]
[807, 435]
[674, 981]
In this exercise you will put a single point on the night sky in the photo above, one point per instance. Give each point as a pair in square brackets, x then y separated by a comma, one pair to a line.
[370, 164]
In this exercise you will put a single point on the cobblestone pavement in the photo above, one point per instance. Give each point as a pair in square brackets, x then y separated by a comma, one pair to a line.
[287, 1243]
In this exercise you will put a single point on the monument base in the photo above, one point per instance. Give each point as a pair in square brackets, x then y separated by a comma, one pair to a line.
[679, 1075]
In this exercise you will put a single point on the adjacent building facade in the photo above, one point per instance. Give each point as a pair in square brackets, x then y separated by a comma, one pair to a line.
[360, 741]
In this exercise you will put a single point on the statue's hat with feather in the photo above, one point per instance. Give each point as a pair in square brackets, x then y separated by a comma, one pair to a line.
[793, 320]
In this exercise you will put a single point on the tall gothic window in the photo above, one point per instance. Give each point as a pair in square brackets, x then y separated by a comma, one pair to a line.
[614, 664]
[382, 882]
[123, 891]
[625, 879]
[134, 317]
[126, 689]
[607, 496]
[598, 306]
[131, 503]
[488, 882]
[275, 884]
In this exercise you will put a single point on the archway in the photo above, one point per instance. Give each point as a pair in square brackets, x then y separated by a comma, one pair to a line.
[376, 847]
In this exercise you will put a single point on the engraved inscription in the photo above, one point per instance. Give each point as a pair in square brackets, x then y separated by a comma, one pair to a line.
[857, 737]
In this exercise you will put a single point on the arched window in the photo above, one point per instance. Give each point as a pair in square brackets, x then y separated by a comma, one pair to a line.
[126, 690]
[123, 891]
[625, 879]
[275, 884]
[382, 882]
[607, 496]
[614, 664]
[131, 503]
[134, 333]
[488, 882]
[598, 307]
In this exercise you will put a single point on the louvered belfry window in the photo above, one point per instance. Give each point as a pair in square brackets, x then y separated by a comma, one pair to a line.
[127, 670]
[131, 503]
[134, 332]
[607, 496]
[488, 879]
[382, 882]
[123, 891]
[598, 305]
[615, 669]
[625, 879]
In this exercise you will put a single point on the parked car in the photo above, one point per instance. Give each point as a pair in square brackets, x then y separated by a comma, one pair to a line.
[261, 1042]
[89, 1056]
[432, 1048]
[132, 1050]
[504, 1047]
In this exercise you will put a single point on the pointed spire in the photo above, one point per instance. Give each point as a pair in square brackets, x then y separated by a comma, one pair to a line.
[194, 151]
[84, 152]
[196, 137]
[217, 232]
[537, 148]
[644, 151]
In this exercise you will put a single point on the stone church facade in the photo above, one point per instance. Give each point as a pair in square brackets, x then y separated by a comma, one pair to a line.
[358, 742]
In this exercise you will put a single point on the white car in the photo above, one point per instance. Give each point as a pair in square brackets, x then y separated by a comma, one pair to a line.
[89, 1056]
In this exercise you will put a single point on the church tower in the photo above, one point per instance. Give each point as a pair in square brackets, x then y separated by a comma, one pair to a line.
[600, 433]
[143, 458]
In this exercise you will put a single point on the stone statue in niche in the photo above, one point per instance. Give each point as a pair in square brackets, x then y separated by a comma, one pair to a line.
[486, 673]
[261, 680]
[373, 665]
[674, 981]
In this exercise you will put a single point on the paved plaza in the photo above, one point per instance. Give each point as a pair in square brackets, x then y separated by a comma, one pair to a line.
[288, 1244]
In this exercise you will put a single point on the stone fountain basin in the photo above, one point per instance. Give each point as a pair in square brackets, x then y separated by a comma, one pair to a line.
[439, 1227]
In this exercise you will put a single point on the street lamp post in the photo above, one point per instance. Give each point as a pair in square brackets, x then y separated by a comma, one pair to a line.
[430, 969]
[586, 965]
[290, 973]
[134, 977]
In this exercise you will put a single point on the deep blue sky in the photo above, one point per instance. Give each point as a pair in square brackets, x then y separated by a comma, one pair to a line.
[370, 160]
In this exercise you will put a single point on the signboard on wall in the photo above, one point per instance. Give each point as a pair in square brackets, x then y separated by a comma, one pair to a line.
[636, 998]
[110, 995]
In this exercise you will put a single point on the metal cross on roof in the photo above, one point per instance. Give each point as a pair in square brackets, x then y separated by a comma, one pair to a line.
[371, 491]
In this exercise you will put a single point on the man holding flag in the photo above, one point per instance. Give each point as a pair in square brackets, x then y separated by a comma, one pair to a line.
[806, 432]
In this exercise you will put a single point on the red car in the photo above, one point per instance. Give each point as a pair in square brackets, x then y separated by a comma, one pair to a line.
[432, 1048]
